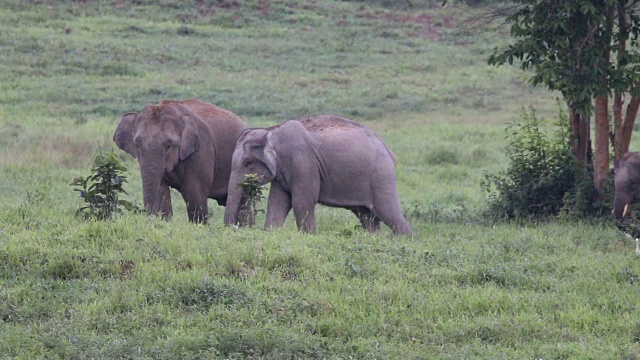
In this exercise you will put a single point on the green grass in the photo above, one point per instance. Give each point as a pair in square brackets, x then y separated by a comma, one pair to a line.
[141, 288]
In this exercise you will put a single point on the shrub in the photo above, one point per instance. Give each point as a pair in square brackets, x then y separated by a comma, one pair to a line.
[101, 189]
[543, 178]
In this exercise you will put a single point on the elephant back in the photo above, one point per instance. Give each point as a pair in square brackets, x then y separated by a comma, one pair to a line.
[322, 126]
[209, 113]
[318, 123]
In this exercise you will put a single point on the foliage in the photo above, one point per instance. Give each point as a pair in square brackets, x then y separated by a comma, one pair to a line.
[567, 44]
[101, 190]
[543, 177]
[251, 196]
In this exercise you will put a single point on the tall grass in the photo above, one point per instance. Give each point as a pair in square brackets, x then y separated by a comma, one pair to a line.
[139, 287]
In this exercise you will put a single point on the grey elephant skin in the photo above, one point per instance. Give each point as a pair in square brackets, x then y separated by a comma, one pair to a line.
[324, 159]
[627, 188]
[186, 145]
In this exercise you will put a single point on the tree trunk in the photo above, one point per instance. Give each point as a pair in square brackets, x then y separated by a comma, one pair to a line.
[622, 129]
[618, 149]
[628, 124]
[601, 157]
[580, 136]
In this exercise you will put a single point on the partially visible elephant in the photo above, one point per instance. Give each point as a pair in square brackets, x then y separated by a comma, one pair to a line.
[186, 145]
[324, 159]
[627, 192]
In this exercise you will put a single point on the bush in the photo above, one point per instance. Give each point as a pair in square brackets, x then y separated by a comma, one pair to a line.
[543, 178]
[102, 189]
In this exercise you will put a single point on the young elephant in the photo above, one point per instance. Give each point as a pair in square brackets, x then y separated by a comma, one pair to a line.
[322, 159]
[186, 145]
[627, 192]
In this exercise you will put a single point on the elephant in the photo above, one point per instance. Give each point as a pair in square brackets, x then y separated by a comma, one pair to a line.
[627, 192]
[186, 145]
[325, 159]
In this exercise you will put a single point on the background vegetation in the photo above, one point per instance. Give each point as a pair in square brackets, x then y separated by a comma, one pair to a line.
[138, 287]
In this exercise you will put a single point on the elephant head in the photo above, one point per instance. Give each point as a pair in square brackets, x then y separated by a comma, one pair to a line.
[254, 154]
[159, 138]
[627, 184]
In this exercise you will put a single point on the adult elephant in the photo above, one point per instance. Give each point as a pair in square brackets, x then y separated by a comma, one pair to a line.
[627, 192]
[186, 145]
[323, 159]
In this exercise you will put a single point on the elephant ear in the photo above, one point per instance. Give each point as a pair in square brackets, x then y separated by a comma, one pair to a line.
[190, 138]
[266, 154]
[123, 137]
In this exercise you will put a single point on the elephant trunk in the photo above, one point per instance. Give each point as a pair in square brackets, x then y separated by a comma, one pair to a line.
[151, 179]
[234, 199]
[620, 206]
[620, 210]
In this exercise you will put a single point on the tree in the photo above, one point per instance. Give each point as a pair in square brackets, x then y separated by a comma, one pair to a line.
[569, 46]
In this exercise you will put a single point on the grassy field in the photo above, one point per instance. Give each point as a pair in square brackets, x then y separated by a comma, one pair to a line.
[141, 288]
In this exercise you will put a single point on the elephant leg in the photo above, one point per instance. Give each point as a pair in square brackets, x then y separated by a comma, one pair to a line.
[167, 209]
[387, 207]
[278, 206]
[367, 218]
[197, 209]
[304, 209]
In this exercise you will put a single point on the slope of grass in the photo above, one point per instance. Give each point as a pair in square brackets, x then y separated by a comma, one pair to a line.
[140, 288]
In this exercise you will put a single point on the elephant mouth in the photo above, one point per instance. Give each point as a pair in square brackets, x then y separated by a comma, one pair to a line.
[172, 179]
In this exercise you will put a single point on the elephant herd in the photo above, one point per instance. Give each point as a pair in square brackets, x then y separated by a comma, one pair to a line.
[204, 151]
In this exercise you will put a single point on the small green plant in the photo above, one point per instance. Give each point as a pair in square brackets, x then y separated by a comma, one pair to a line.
[352, 266]
[251, 197]
[101, 190]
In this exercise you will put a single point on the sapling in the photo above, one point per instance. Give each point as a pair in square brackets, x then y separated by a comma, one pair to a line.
[101, 190]
[251, 197]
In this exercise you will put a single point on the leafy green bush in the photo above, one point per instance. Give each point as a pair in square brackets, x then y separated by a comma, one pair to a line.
[543, 178]
[101, 189]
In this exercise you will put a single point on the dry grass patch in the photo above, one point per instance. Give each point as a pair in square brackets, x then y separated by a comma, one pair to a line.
[62, 150]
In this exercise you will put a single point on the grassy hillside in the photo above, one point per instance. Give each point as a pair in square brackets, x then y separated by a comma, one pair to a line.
[138, 287]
